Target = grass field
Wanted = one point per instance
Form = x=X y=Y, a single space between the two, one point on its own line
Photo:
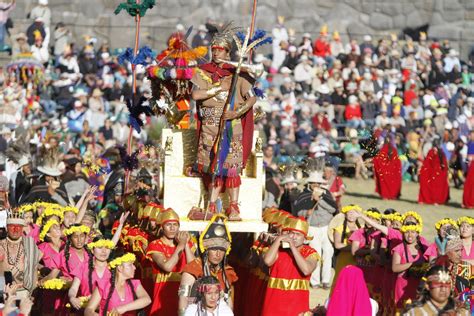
x=362 y=192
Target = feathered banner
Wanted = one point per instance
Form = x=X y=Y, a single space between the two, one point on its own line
x=136 y=108
x=258 y=39
x=129 y=162
x=140 y=59
x=133 y=8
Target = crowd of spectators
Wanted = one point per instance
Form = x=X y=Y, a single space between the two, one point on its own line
x=324 y=96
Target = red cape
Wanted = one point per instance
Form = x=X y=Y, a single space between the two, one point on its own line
x=434 y=185
x=388 y=173
x=468 y=195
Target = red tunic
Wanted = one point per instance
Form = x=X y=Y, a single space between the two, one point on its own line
x=287 y=291
x=166 y=283
x=468 y=195
x=434 y=186
x=388 y=173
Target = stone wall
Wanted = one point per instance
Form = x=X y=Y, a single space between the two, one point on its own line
x=451 y=19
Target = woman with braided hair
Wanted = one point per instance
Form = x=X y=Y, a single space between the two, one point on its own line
x=209 y=299
x=122 y=295
x=75 y=256
x=434 y=184
x=96 y=273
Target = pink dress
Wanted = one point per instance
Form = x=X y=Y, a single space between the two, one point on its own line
x=50 y=255
x=97 y=281
x=34 y=232
x=405 y=285
x=49 y=297
x=75 y=263
x=115 y=300
x=432 y=251
x=470 y=256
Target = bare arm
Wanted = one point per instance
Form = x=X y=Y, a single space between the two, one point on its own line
x=118 y=232
x=187 y=281
x=88 y=196
x=376 y=225
x=338 y=244
x=142 y=301
x=398 y=267
x=72 y=293
x=307 y=266
x=271 y=256
x=93 y=304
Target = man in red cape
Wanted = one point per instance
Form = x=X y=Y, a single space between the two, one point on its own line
x=388 y=172
x=468 y=195
x=212 y=83
x=434 y=185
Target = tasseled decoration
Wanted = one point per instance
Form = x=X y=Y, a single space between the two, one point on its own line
x=258 y=38
x=259 y=93
x=141 y=59
x=133 y=8
x=136 y=108
x=129 y=162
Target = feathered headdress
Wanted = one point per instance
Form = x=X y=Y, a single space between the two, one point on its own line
x=288 y=172
x=224 y=37
x=49 y=161
x=18 y=152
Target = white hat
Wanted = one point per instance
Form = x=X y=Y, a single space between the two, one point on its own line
x=39 y=19
x=5 y=130
x=453 y=53
x=64 y=120
x=307 y=35
x=323 y=89
x=179 y=27
x=449 y=146
x=275 y=107
x=367 y=76
x=352 y=99
x=353 y=133
x=367 y=38
x=316 y=177
x=448 y=126
x=292 y=49
x=23 y=161
x=43 y=2
x=456 y=123
x=202 y=28
x=443 y=102
x=428 y=114
x=289 y=179
x=287 y=80
x=286 y=123
x=285 y=70
x=311 y=97
x=303 y=57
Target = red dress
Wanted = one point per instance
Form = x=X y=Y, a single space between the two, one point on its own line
x=288 y=289
x=165 y=299
x=388 y=173
x=434 y=186
x=468 y=195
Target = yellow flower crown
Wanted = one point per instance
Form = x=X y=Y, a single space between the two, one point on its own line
x=56 y=284
x=413 y=228
x=354 y=207
x=77 y=229
x=129 y=257
x=46 y=227
x=393 y=217
x=69 y=208
x=445 y=221
x=26 y=208
x=51 y=210
x=413 y=214
x=374 y=215
x=101 y=243
x=466 y=219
